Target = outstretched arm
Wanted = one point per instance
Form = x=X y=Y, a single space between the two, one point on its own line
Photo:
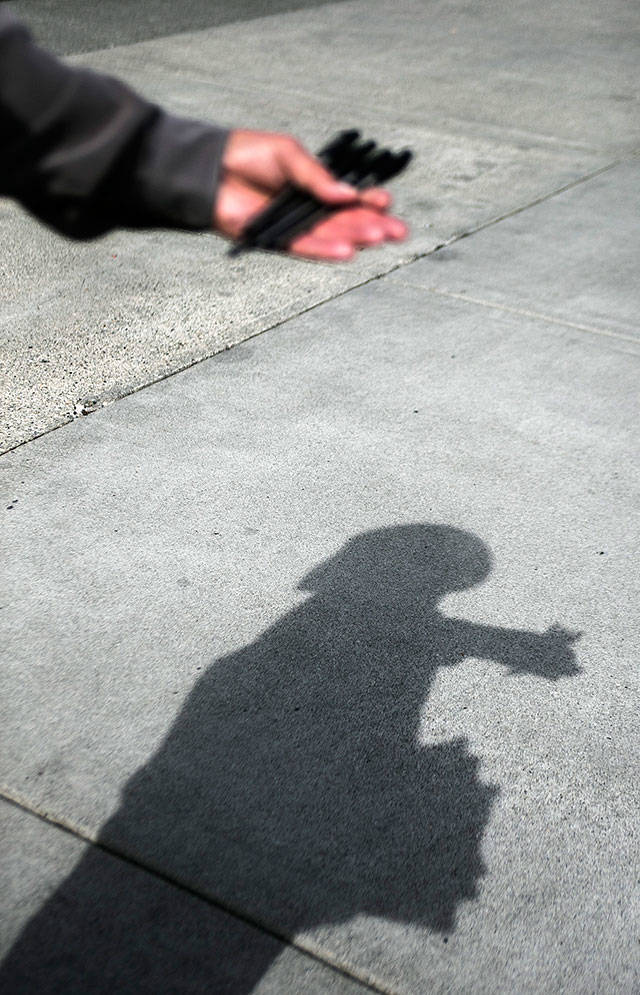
x=85 y=154
x=548 y=654
x=256 y=165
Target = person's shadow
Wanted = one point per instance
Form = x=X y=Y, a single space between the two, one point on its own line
x=293 y=785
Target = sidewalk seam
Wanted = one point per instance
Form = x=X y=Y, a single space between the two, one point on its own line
x=308 y=949
x=537 y=200
x=356 y=286
x=522 y=312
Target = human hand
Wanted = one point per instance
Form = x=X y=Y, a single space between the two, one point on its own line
x=549 y=654
x=256 y=165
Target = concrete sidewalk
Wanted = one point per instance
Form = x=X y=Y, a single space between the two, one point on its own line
x=319 y=669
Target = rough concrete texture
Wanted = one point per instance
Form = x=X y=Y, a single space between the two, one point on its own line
x=240 y=595
x=63 y=25
x=335 y=631
x=528 y=263
x=104 y=319
x=542 y=71
x=146 y=935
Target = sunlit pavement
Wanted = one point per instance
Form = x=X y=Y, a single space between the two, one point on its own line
x=319 y=667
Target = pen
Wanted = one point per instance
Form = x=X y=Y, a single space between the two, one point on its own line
x=360 y=163
x=291 y=197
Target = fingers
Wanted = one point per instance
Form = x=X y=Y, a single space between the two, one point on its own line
x=559 y=632
x=307 y=172
x=267 y=161
x=270 y=160
x=329 y=249
x=362 y=227
x=338 y=237
x=377 y=198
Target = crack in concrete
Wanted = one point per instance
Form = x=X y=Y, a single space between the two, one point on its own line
x=523 y=312
x=308 y=949
x=363 y=282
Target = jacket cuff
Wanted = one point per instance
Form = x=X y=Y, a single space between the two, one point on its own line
x=177 y=172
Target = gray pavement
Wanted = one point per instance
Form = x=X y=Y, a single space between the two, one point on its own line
x=319 y=667
x=64 y=27
x=145 y=934
x=102 y=320
x=571 y=259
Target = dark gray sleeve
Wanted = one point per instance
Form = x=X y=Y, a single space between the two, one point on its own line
x=85 y=154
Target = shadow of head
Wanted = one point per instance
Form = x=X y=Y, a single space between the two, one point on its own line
x=403 y=562
x=402 y=572
x=294 y=777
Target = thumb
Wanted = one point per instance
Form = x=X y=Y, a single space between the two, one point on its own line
x=306 y=172
x=559 y=632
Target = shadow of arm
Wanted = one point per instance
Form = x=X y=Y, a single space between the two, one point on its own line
x=548 y=654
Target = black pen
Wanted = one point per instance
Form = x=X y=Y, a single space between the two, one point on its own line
x=344 y=168
x=294 y=211
x=381 y=166
x=292 y=197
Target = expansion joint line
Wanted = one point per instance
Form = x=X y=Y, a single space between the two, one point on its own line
x=539 y=200
x=522 y=312
x=457 y=238
x=362 y=283
x=308 y=949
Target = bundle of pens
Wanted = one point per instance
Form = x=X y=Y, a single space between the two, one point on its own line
x=362 y=164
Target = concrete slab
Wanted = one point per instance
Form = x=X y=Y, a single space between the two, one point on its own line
x=84 y=325
x=98 y=321
x=109 y=926
x=64 y=27
x=460 y=178
x=572 y=258
x=233 y=606
x=540 y=71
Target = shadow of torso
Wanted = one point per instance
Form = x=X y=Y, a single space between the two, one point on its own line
x=294 y=782
x=293 y=785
